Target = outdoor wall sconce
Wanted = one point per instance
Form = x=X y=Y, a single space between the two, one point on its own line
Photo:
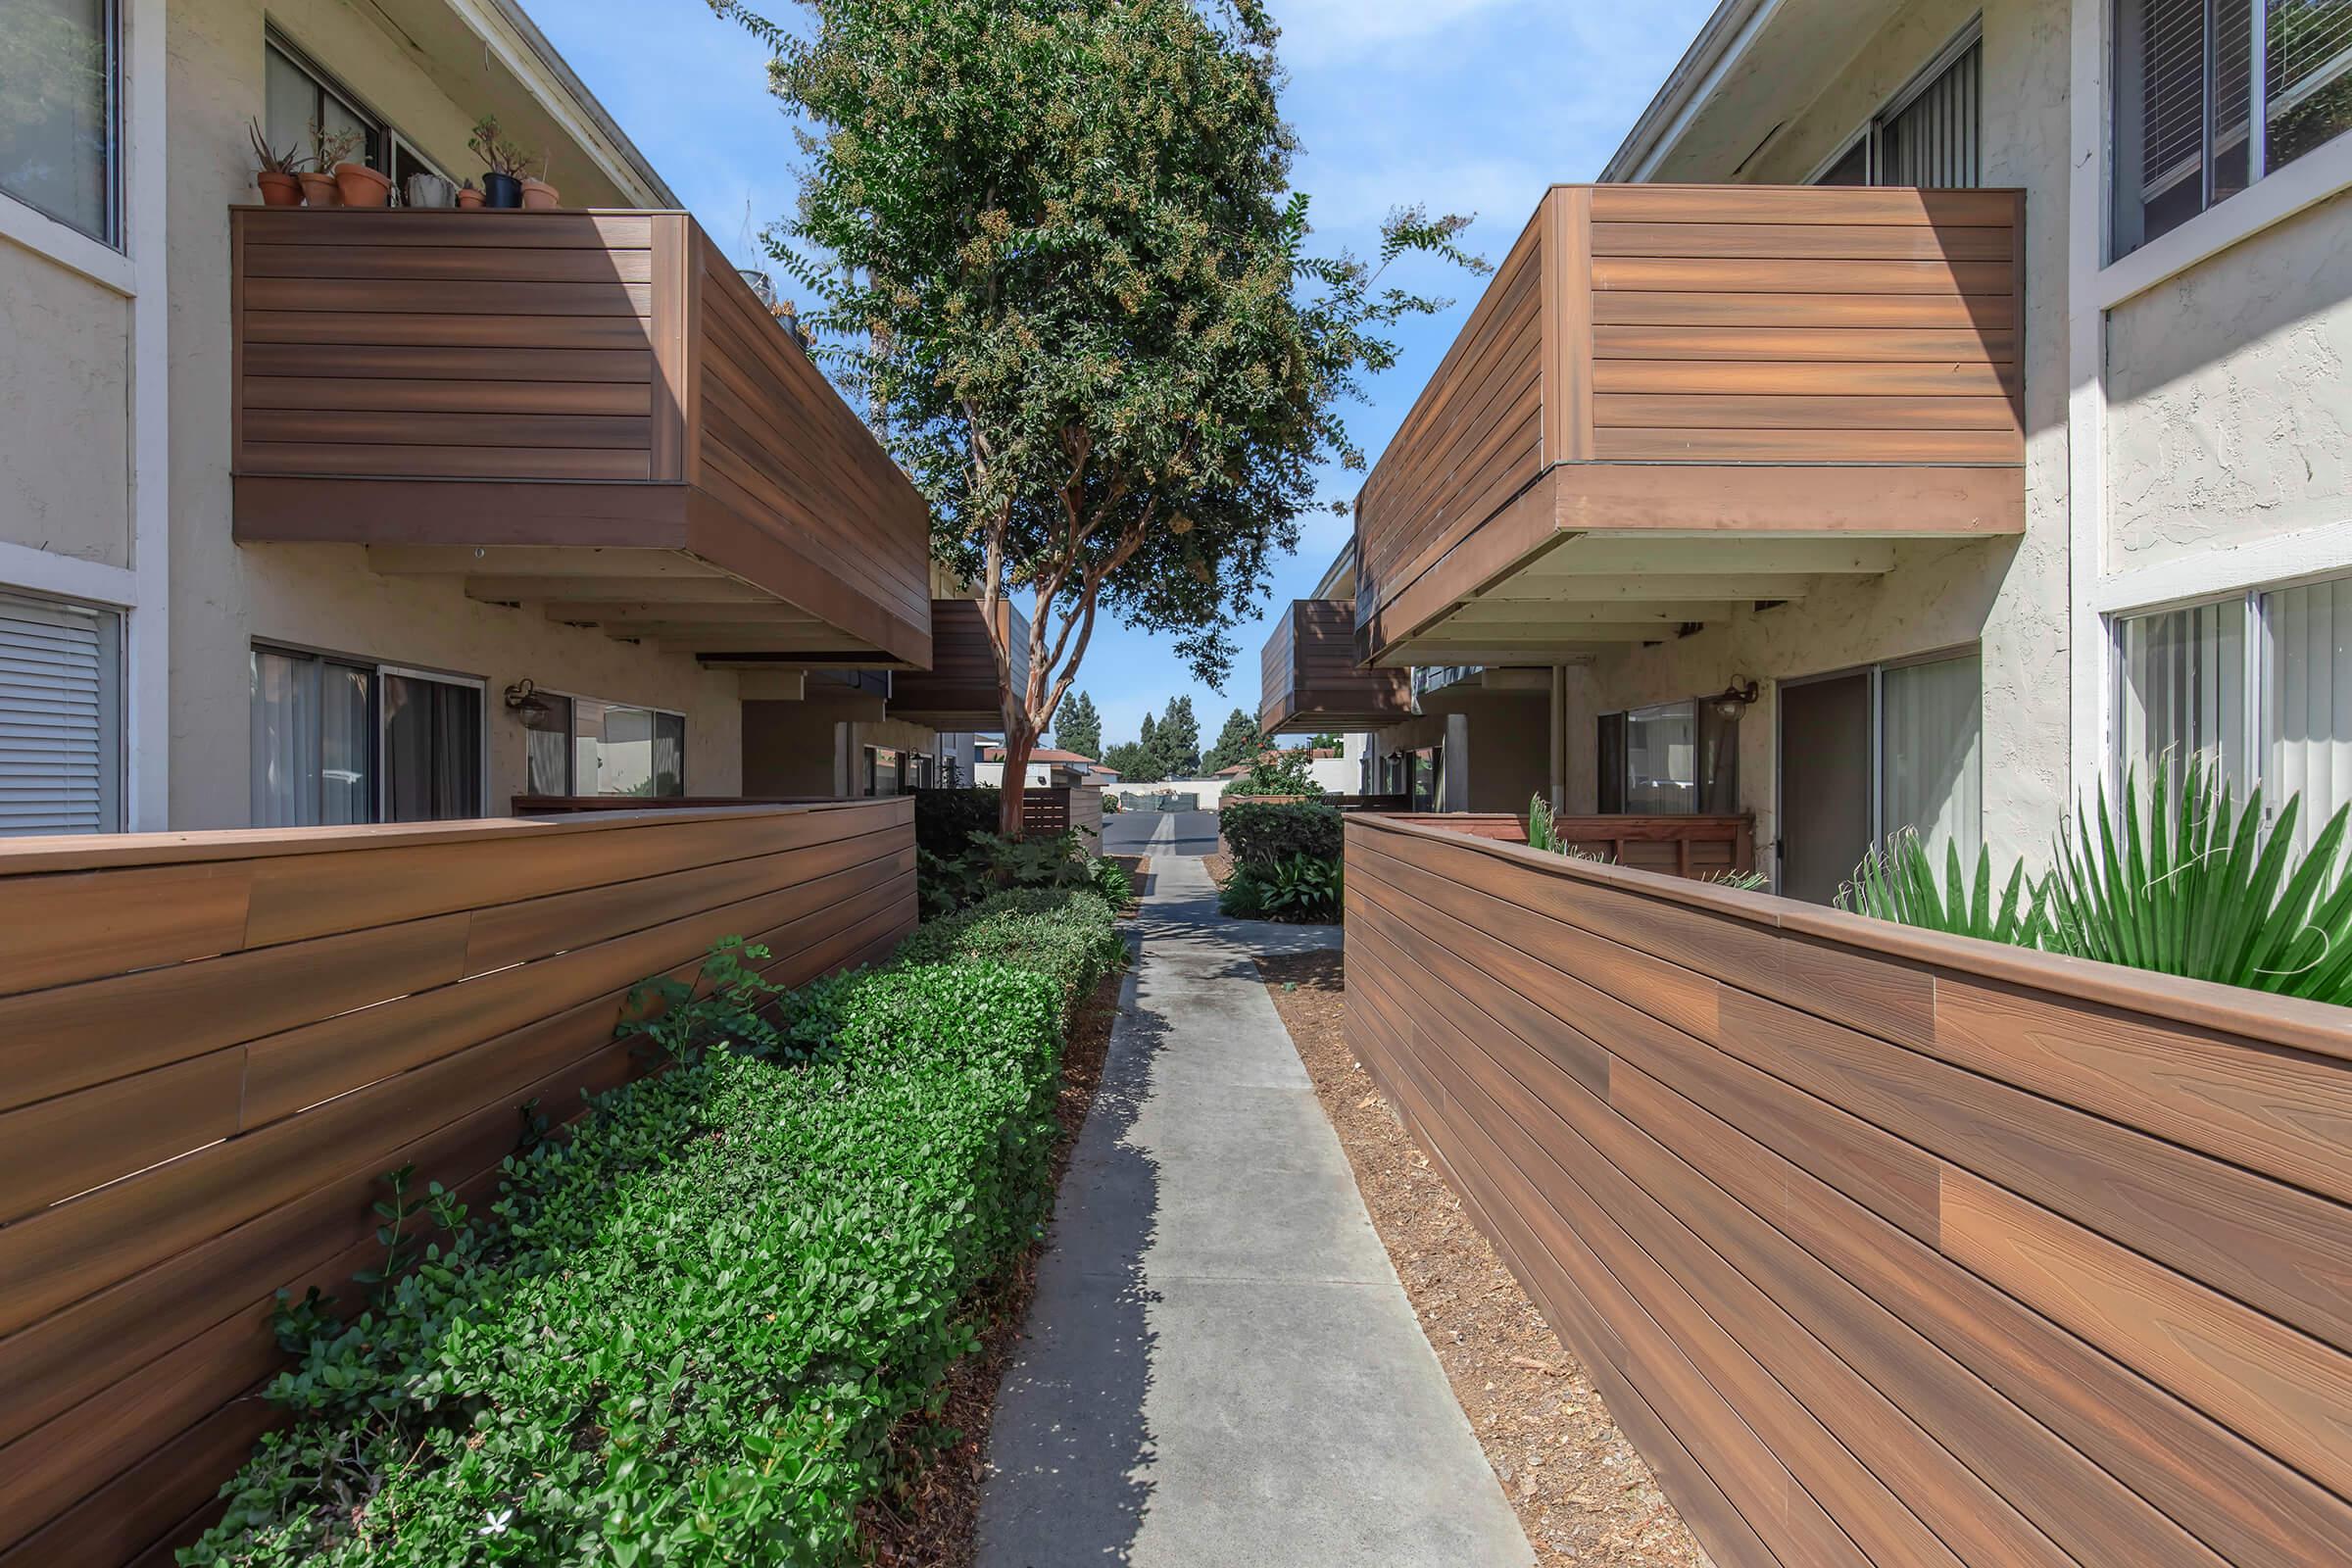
x=1732 y=701
x=527 y=704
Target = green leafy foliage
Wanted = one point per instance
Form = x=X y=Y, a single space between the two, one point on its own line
x=1897 y=881
x=945 y=820
x=1236 y=743
x=1135 y=762
x=1542 y=834
x=1305 y=887
x=1055 y=249
x=1077 y=728
x=1112 y=881
x=686 y=1333
x=2190 y=888
x=1265 y=836
x=1243 y=896
x=1177 y=740
x=669 y=1015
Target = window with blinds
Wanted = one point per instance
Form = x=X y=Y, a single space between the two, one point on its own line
x=1929 y=135
x=2259 y=684
x=61 y=716
x=2187 y=75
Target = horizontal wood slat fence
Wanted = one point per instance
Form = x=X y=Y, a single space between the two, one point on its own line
x=212 y=1045
x=1048 y=810
x=1886 y=1247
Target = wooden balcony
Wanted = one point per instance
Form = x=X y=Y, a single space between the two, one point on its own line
x=1312 y=681
x=960 y=691
x=1676 y=399
x=586 y=410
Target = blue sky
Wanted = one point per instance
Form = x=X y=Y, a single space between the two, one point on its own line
x=1466 y=105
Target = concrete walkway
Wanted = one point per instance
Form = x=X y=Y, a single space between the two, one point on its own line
x=1221 y=1369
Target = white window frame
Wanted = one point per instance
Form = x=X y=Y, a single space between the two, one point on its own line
x=2271 y=197
x=391 y=140
x=571 y=762
x=2251 y=596
x=117 y=801
x=62 y=241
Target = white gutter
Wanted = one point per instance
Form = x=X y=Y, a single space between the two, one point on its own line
x=517 y=43
x=1688 y=88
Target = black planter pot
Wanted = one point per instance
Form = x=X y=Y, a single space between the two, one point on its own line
x=500 y=190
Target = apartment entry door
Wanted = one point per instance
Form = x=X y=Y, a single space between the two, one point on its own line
x=1825 y=794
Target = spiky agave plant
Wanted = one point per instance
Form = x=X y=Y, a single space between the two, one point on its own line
x=2189 y=890
x=1897 y=881
x=1541 y=833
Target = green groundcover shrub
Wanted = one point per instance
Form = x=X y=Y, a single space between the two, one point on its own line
x=685 y=1334
x=945 y=820
x=1263 y=837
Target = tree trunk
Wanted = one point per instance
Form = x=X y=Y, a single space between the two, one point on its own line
x=1019 y=741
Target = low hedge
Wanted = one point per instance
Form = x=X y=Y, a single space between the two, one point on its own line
x=687 y=1332
x=1267 y=836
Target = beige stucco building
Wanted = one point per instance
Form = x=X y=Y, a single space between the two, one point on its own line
x=2172 y=338
x=180 y=649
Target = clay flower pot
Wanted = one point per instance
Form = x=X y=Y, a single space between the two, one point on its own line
x=361 y=186
x=539 y=196
x=278 y=190
x=468 y=197
x=320 y=189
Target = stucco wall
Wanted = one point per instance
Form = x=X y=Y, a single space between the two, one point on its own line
x=2230 y=396
x=1510 y=741
x=64 y=384
x=225 y=596
x=2009 y=596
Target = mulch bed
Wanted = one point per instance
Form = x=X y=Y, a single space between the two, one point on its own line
x=931 y=1518
x=1582 y=1493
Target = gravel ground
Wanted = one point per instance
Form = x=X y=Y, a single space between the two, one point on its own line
x=1584 y=1496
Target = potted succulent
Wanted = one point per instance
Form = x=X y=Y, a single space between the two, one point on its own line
x=467 y=196
x=328 y=150
x=276 y=178
x=502 y=185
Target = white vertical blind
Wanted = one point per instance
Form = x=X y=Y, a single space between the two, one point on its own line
x=1931 y=762
x=284 y=740
x=60 y=718
x=2181 y=691
x=2307 y=700
x=1932 y=139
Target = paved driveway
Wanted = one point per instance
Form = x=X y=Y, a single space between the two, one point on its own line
x=1160 y=832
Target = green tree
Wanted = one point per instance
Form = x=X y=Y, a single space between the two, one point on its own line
x=1236 y=743
x=1079 y=728
x=1178 y=740
x=1147 y=737
x=1055 y=247
x=1134 y=762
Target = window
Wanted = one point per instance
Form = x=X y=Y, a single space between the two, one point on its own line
x=2186 y=73
x=2259 y=683
x=60 y=112
x=1931 y=755
x=1670 y=760
x=61 y=716
x=337 y=740
x=1928 y=134
x=581 y=746
x=882 y=771
x=301 y=99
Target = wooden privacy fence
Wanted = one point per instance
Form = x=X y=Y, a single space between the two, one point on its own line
x=212 y=1045
x=1886 y=1247
x=1062 y=808
x=1676 y=846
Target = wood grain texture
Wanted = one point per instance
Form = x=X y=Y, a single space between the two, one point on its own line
x=1310 y=680
x=1665 y=342
x=600 y=350
x=288 y=1016
x=1985 y=1281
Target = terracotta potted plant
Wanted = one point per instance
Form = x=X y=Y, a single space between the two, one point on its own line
x=467 y=196
x=279 y=185
x=501 y=185
x=539 y=196
x=327 y=149
x=361 y=186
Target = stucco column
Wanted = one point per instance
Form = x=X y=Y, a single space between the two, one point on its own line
x=1455 y=785
x=1558 y=753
